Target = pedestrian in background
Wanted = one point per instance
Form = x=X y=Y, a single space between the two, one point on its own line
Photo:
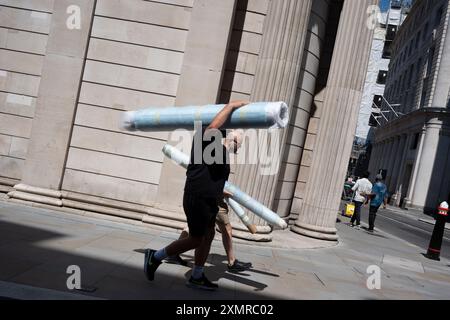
x=378 y=197
x=361 y=189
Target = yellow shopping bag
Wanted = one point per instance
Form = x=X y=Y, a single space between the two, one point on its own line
x=349 y=209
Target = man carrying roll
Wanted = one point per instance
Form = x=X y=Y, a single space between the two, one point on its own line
x=205 y=180
x=226 y=230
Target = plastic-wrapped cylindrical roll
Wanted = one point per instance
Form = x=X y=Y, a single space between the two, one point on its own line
x=238 y=195
x=241 y=214
x=183 y=160
x=254 y=206
x=261 y=115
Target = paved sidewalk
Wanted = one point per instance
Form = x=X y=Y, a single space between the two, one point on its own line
x=416 y=215
x=37 y=245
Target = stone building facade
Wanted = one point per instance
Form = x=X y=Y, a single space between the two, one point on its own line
x=373 y=97
x=69 y=68
x=388 y=24
x=413 y=146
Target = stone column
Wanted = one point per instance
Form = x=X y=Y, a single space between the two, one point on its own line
x=415 y=169
x=428 y=165
x=276 y=79
x=296 y=141
x=343 y=96
x=387 y=155
x=383 y=155
x=442 y=83
x=200 y=80
x=401 y=166
x=397 y=162
x=374 y=157
x=374 y=150
x=56 y=103
x=391 y=163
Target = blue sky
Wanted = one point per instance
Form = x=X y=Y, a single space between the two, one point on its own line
x=384 y=4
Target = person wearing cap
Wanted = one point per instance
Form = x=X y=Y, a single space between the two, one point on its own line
x=378 y=197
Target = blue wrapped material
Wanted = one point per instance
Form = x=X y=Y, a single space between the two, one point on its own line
x=238 y=195
x=261 y=115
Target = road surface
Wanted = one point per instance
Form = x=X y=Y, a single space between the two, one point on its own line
x=408 y=228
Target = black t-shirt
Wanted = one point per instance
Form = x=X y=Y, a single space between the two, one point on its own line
x=206 y=174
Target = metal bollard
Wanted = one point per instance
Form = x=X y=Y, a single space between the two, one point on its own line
x=434 y=249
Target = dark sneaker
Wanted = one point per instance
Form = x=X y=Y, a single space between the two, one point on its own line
x=370 y=230
x=202 y=283
x=150 y=264
x=239 y=266
x=176 y=260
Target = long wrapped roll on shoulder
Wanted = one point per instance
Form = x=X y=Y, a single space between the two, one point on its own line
x=260 y=115
x=238 y=195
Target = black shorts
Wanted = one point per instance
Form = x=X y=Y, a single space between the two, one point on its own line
x=200 y=212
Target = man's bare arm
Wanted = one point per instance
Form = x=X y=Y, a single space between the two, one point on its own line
x=225 y=114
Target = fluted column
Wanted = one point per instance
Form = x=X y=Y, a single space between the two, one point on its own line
x=397 y=163
x=400 y=167
x=391 y=162
x=415 y=169
x=387 y=155
x=343 y=95
x=373 y=157
x=430 y=162
x=380 y=158
x=276 y=78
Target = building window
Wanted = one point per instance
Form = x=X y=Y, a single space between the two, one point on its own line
x=411 y=44
x=387 y=50
x=423 y=94
x=425 y=31
x=418 y=69
x=430 y=61
x=418 y=39
x=411 y=69
x=382 y=76
x=396 y=4
x=438 y=18
x=404 y=80
x=415 y=142
x=391 y=32
x=378 y=100
x=374 y=120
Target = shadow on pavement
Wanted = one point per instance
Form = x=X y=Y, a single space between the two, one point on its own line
x=217 y=269
x=34 y=257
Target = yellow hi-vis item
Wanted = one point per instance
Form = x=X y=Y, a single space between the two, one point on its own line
x=349 y=209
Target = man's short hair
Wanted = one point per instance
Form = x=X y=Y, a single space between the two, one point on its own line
x=366 y=174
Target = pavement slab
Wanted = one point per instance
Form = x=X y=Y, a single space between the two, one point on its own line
x=38 y=244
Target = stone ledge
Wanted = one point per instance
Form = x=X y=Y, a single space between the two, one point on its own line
x=35 y=198
x=156 y=216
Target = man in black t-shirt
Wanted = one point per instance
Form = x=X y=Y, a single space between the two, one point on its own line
x=205 y=179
